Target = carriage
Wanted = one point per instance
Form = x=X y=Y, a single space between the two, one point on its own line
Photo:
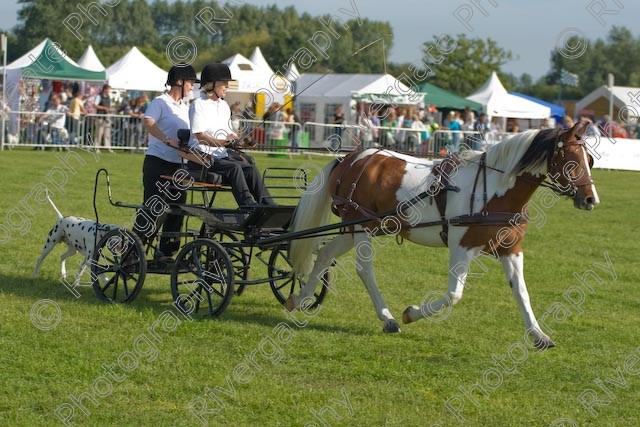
x=215 y=258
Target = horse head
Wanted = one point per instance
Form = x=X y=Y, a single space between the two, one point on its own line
x=570 y=168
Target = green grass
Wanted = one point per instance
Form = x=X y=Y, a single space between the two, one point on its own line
x=394 y=380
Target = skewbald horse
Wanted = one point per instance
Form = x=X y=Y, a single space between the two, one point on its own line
x=491 y=188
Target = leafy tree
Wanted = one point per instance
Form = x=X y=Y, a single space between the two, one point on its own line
x=40 y=19
x=466 y=67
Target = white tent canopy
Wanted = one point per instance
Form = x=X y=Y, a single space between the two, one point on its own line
x=292 y=73
x=90 y=61
x=321 y=93
x=134 y=71
x=27 y=59
x=498 y=102
x=622 y=98
x=250 y=77
x=341 y=88
x=258 y=58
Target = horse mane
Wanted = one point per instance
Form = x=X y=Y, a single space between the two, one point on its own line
x=525 y=152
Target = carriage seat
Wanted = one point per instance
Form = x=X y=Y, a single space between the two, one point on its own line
x=201 y=178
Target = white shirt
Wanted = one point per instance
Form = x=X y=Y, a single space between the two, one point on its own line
x=56 y=116
x=169 y=116
x=211 y=117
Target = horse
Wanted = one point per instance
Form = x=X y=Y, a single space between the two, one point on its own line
x=480 y=208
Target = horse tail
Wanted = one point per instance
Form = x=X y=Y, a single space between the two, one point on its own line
x=314 y=210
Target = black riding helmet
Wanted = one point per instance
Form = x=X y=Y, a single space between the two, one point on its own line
x=181 y=72
x=214 y=72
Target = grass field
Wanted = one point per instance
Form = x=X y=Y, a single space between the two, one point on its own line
x=339 y=368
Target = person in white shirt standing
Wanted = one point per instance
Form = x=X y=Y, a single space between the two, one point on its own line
x=56 y=115
x=163 y=118
x=210 y=118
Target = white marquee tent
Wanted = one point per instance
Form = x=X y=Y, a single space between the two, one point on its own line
x=319 y=94
x=498 y=102
x=292 y=73
x=90 y=61
x=250 y=78
x=258 y=58
x=598 y=100
x=333 y=89
x=134 y=71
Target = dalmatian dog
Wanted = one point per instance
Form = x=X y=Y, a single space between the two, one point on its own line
x=78 y=234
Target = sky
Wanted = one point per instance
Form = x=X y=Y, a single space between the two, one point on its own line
x=530 y=29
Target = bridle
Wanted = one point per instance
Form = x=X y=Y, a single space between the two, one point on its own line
x=559 y=154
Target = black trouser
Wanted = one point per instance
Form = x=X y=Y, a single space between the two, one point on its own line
x=157 y=196
x=239 y=171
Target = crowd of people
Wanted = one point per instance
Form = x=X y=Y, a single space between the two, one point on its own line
x=60 y=118
x=412 y=128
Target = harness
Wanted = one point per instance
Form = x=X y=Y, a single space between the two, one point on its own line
x=343 y=204
x=441 y=177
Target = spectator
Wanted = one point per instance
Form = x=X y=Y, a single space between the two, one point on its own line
x=294 y=121
x=455 y=126
x=514 y=127
x=390 y=124
x=417 y=138
x=366 y=129
x=482 y=127
x=591 y=128
x=236 y=115
x=104 y=107
x=55 y=116
x=137 y=113
x=76 y=108
x=567 y=122
x=375 y=125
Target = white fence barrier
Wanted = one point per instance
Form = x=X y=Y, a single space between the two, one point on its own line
x=40 y=130
x=47 y=130
x=614 y=153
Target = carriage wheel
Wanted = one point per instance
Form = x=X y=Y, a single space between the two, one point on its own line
x=238 y=255
x=202 y=278
x=118 y=266
x=284 y=281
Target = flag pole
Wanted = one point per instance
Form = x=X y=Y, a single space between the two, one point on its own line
x=3 y=43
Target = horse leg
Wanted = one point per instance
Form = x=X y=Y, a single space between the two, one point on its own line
x=513 y=265
x=326 y=255
x=364 y=264
x=459 y=264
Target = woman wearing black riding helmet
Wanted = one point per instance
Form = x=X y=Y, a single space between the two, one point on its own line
x=211 y=129
x=165 y=115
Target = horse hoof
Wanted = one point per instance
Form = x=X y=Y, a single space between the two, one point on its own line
x=543 y=343
x=290 y=304
x=391 y=327
x=406 y=317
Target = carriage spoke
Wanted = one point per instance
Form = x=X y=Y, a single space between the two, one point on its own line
x=283 y=285
x=115 y=287
x=198 y=290
x=214 y=290
x=109 y=283
x=101 y=269
x=210 y=304
x=124 y=285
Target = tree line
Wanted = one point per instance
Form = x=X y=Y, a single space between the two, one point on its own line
x=235 y=27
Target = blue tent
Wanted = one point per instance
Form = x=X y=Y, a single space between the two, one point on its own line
x=556 y=111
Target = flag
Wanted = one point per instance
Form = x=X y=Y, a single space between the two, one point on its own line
x=568 y=79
